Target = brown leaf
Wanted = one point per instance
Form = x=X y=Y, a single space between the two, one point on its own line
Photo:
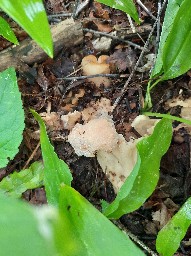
x=123 y=59
x=100 y=12
x=101 y=25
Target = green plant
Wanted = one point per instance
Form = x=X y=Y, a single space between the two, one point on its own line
x=11 y=116
x=7 y=32
x=174 y=53
x=31 y=16
x=123 y=5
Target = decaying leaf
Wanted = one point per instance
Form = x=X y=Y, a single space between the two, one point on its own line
x=123 y=59
x=185 y=110
x=144 y=125
x=149 y=63
x=102 y=44
x=52 y=120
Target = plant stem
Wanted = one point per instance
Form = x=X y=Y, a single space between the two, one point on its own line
x=168 y=116
x=148 y=102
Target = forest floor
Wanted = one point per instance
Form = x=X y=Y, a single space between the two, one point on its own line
x=55 y=87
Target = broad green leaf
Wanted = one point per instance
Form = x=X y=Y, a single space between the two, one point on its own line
x=24 y=230
x=144 y=177
x=127 y=6
x=31 y=16
x=85 y=231
x=177 y=49
x=170 y=236
x=7 y=32
x=18 y=182
x=170 y=14
x=11 y=116
x=56 y=171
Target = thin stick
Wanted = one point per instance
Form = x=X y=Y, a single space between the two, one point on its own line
x=115 y=38
x=131 y=23
x=138 y=61
x=80 y=7
x=146 y=9
x=158 y=29
x=60 y=15
x=92 y=76
x=77 y=2
x=32 y=155
x=134 y=238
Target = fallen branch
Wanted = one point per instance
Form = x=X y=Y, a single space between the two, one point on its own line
x=65 y=34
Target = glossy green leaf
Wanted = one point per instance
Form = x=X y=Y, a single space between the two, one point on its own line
x=24 y=230
x=18 y=182
x=56 y=171
x=31 y=16
x=177 y=50
x=7 y=32
x=127 y=6
x=170 y=14
x=85 y=231
x=11 y=116
x=144 y=177
x=170 y=236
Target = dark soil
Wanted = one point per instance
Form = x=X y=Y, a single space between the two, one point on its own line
x=41 y=87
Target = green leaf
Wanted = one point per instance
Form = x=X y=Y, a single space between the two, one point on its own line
x=18 y=182
x=56 y=171
x=31 y=16
x=177 y=50
x=169 y=237
x=87 y=231
x=7 y=32
x=25 y=230
x=144 y=177
x=127 y=6
x=11 y=116
x=170 y=14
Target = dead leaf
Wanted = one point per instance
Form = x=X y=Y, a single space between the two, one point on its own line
x=52 y=121
x=123 y=59
x=162 y=215
x=100 y=11
x=102 y=26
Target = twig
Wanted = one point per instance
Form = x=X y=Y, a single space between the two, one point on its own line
x=80 y=7
x=114 y=37
x=138 y=61
x=60 y=15
x=146 y=9
x=134 y=238
x=131 y=23
x=31 y=156
x=92 y=76
x=77 y=2
x=158 y=29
